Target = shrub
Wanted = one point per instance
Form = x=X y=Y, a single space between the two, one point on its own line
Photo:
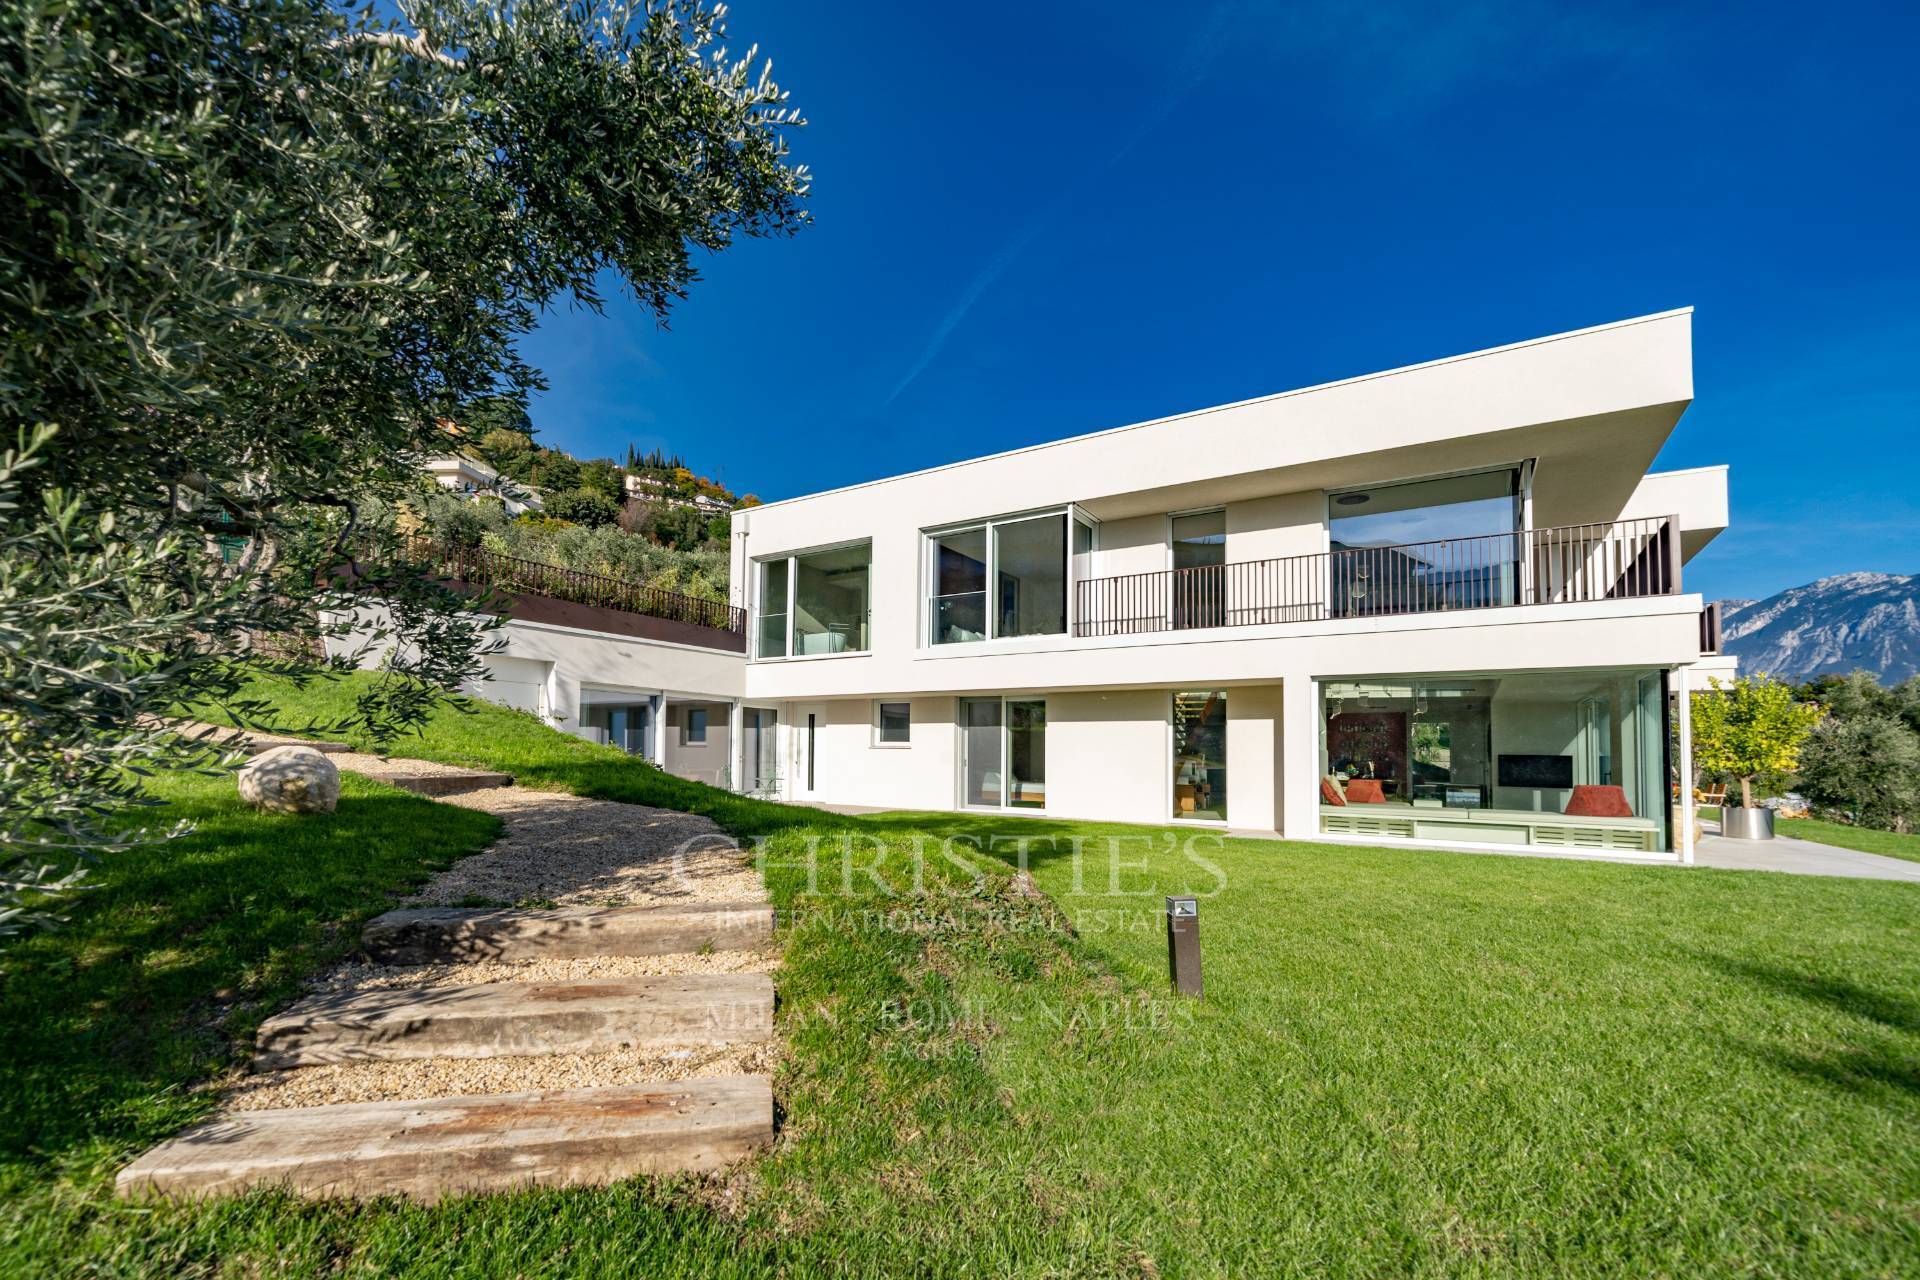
x=1867 y=767
x=583 y=507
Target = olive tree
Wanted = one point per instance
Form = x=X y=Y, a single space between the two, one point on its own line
x=257 y=255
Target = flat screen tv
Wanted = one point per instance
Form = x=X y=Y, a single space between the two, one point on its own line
x=1546 y=773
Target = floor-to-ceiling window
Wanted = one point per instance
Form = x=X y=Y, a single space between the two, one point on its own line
x=1003 y=748
x=760 y=751
x=1497 y=753
x=770 y=634
x=998 y=579
x=1200 y=755
x=1426 y=544
x=814 y=603
x=1199 y=586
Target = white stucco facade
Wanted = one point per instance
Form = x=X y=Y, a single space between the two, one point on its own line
x=1575 y=418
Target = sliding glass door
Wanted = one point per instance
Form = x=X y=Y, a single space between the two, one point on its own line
x=1003 y=753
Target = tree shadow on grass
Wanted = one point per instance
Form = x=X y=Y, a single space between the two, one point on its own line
x=1884 y=1058
x=1890 y=1009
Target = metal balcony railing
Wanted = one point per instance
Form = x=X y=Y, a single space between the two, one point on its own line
x=1624 y=559
x=481 y=568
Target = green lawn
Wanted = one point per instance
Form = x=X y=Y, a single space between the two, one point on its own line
x=1407 y=1063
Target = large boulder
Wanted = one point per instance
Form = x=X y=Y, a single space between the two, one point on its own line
x=291 y=780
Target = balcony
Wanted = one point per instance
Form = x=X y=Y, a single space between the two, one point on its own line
x=1575 y=564
x=540 y=592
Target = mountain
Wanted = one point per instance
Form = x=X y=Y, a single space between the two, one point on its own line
x=1851 y=621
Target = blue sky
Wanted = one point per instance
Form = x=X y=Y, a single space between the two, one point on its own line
x=1035 y=222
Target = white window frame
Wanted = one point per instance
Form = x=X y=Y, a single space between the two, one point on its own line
x=1006 y=754
x=880 y=743
x=687 y=735
x=930 y=574
x=793 y=594
x=1196 y=511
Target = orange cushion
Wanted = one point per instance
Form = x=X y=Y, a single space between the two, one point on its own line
x=1330 y=792
x=1593 y=801
x=1365 y=791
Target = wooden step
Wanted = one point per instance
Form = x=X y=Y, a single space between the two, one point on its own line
x=443 y=1146
x=445 y=784
x=507 y=1018
x=426 y=935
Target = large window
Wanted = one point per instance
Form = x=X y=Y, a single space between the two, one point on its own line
x=815 y=603
x=1000 y=579
x=1003 y=753
x=1200 y=755
x=1426 y=544
x=1495 y=755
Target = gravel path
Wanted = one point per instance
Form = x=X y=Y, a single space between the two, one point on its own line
x=557 y=850
x=451 y=1077
x=574 y=852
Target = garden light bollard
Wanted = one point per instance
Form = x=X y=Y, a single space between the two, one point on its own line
x=1183 y=944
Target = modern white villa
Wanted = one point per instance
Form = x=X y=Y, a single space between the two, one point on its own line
x=1438 y=605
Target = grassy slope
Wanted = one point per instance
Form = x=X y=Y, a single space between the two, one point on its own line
x=1407 y=1063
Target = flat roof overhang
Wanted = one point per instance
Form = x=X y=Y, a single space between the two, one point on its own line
x=1586 y=468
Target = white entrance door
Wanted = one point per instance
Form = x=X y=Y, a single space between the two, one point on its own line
x=809 y=732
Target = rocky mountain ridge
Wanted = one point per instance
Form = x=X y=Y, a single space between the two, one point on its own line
x=1850 y=621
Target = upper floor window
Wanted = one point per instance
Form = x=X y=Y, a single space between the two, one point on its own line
x=1479 y=504
x=1000 y=578
x=817 y=602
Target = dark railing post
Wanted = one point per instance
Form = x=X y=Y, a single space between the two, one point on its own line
x=1673 y=555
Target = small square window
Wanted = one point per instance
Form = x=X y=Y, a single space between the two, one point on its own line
x=893 y=724
x=696 y=731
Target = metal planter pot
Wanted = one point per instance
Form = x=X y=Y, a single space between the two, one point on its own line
x=1746 y=824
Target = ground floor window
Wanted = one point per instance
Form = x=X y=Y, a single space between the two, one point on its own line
x=628 y=726
x=1200 y=755
x=1003 y=750
x=1496 y=757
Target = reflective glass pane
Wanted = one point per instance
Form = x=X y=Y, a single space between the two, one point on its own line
x=830 y=600
x=1027 y=754
x=1031 y=568
x=771 y=637
x=957 y=611
x=980 y=730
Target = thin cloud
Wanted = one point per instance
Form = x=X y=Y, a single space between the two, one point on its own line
x=1194 y=65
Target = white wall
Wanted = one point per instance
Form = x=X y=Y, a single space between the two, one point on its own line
x=563 y=659
x=1109 y=755
x=851 y=768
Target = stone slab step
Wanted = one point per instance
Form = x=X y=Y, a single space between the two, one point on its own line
x=443 y=1146
x=445 y=784
x=426 y=935
x=501 y=1019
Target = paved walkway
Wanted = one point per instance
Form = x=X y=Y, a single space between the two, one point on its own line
x=1798 y=857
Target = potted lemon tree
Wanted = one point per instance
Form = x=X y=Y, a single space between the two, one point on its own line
x=1747 y=730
